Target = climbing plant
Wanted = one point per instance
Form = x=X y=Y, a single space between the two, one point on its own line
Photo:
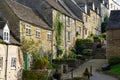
x=30 y=46
x=58 y=28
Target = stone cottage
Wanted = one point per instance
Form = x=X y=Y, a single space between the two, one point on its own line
x=113 y=34
x=11 y=56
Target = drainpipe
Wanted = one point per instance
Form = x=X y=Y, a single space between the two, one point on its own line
x=6 y=62
x=83 y=30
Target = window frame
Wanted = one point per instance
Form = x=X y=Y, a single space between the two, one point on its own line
x=49 y=35
x=38 y=33
x=1 y=63
x=28 y=29
x=13 y=64
x=68 y=21
x=68 y=36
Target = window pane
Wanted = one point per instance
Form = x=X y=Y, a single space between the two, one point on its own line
x=1 y=62
x=13 y=62
x=68 y=36
x=4 y=35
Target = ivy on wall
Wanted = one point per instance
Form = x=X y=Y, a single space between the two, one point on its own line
x=58 y=28
x=30 y=46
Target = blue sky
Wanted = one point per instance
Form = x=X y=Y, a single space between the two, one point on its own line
x=118 y=1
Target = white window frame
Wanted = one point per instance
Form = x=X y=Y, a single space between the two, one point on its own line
x=1 y=63
x=13 y=62
x=28 y=30
x=38 y=34
x=68 y=36
x=49 y=35
x=68 y=21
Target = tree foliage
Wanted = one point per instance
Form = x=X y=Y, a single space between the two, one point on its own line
x=104 y=24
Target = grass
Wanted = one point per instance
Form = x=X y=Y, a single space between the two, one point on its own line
x=115 y=69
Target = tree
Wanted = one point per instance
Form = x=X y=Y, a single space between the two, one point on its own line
x=104 y=24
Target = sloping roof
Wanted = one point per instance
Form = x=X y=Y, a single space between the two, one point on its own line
x=44 y=8
x=81 y=4
x=2 y=23
x=73 y=8
x=12 y=39
x=26 y=14
x=114 y=20
x=58 y=7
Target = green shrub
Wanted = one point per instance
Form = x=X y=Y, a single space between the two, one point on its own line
x=81 y=45
x=86 y=72
x=29 y=75
x=81 y=57
x=41 y=63
x=50 y=66
x=87 y=52
x=42 y=76
x=114 y=60
x=76 y=78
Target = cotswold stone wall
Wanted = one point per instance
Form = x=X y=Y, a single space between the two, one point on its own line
x=113 y=43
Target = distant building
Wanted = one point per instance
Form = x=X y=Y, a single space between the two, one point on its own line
x=113 y=34
x=113 y=5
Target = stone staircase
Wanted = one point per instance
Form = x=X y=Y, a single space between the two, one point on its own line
x=99 y=53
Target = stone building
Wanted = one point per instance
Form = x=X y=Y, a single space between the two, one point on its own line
x=11 y=56
x=24 y=23
x=113 y=34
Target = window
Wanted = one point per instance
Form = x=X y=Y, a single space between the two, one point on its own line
x=49 y=35
x=38 y=33
x=61 y=18
x=86 y=19
x=111 y=5
x=13 y=62
x=28 y=30
x=68 y=36
x=68 y=21
x=79 y=30
x=1 y=62
x=6 y=36
x=85 y=31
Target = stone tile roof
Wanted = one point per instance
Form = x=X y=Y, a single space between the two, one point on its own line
x=81 y=4
x=55 y=4
x=26 y=14
x=114 y=20
x=44 y=8
x=73 y=8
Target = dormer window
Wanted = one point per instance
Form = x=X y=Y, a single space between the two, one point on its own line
x=97 y=10
x=6 y=34
x=85 y=8
x=93 y=6
x=103 y=2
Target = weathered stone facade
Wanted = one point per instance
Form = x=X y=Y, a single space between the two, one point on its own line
x=113 y=43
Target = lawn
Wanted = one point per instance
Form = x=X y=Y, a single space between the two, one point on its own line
x=115 y=69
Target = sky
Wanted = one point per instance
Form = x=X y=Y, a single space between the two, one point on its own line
x=118 y=1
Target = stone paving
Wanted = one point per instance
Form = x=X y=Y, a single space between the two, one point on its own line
x=96 y=64
x=100 y=76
